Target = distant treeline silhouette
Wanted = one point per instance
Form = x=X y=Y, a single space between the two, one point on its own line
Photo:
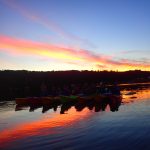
x=15 y=83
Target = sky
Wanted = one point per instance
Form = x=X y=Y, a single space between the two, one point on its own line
x=45 y=35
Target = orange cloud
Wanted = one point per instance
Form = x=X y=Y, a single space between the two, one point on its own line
x=67 y=55
x=26 y=47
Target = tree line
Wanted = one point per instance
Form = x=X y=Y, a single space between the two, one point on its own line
x=15 y=83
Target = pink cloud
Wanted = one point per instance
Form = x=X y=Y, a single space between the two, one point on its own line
x=68 y=55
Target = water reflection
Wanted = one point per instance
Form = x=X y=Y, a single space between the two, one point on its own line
x=45 y=124
x=139 y=94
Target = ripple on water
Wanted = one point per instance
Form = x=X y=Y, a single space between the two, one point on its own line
x=126 y=129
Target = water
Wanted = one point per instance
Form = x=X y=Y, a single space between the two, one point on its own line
x=127 y=128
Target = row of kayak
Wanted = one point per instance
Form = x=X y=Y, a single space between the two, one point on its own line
x=63 y=108
x=64 y=99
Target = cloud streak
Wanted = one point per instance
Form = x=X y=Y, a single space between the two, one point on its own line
x=46 y=23
x=30 y=48
x=27 y=47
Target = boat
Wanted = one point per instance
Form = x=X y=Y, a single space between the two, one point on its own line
x=22 y=101
x=96 y=102
x=65 y=99
x=47 y=100
x=34 y=101
x=68 y=99
x=85 y=99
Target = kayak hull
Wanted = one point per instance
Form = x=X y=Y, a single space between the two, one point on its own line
x=65 y=99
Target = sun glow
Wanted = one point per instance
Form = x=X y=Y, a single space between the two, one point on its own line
x=74 y=59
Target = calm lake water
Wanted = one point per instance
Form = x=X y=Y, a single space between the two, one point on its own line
x=125 y=128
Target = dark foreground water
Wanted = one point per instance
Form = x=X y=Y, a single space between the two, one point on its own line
x=125 y=129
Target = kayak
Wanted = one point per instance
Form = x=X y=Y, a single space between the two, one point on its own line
x=34 y=100
x=64 y=99
x=22 y=101
x=67 y=99
x=85 y=99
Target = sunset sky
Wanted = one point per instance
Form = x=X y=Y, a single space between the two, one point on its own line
x=50 y=35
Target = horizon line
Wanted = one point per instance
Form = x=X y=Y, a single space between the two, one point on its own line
x=73 y=70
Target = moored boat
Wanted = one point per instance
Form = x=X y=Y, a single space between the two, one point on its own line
x=68 y=99
x=22 y=101
x=47 y=100
x=33 y=101
x=65 y=99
